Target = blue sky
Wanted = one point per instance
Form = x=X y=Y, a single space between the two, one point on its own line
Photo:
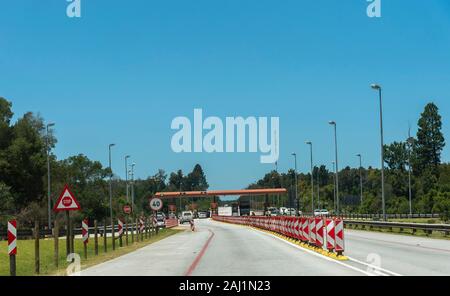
x=125 y=69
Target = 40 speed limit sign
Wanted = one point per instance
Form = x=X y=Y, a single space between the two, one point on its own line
x=156 y=204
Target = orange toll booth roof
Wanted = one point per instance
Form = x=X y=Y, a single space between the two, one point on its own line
x=220 y=192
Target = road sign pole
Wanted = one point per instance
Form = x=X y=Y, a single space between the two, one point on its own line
x=67 y=233
x=56 y=242
x=126 y=230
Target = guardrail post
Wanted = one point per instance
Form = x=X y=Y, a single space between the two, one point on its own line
x=146 y=228
x=105 y=238
x=56 y=242
x=36 y=247
x=137 y=230
x=12 y=246
x=132 y=232
x=95 y=238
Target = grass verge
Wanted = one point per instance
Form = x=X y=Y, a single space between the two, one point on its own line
x=25 y=258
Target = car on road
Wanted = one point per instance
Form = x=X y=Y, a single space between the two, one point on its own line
x=321 y=212
x=202 y=215
x=186 y=216
x=291 y=212
x=273 y=212
x=161 y=221
x=283 y=211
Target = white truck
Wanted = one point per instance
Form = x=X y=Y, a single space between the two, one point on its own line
x=225 y=211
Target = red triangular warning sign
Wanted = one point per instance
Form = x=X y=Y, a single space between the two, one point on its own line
x=66 y=201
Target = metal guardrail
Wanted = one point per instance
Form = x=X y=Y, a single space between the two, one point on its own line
x=427 y=228
x=389 y=216
x=44 y=233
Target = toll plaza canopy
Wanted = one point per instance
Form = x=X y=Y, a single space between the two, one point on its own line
x=248 y=192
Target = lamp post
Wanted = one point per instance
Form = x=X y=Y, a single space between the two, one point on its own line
x=312 y=176
x=126 y=176
x=49 y=195
x=410 y=142
x=296 y=183
x=333 y=123
x=383 y=201
x=110 y=197
x=334 y=187
x=132 y=186
x=360 y=177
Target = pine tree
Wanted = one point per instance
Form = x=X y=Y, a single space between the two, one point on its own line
x=430 y=140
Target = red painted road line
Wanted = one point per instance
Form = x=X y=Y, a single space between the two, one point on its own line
x=199 y=256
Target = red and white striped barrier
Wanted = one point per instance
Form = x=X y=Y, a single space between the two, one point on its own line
x=312 y=231
x=120 y=223
x=141 y=225
x=339 y=241
x=319 y=232
x=12 y=238
x=306 y=229
x=330 y=234
x=85 y=231
x=170 y=223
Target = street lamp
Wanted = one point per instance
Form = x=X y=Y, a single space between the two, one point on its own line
x=110 y=197
x=360 y=176
x=312 y=175
x=126 y=175
x=48 y=177
x=410 y=142
x=334 y=187
x=132 y=186
x=333 y=123
x=296 y=182
x=378 y=88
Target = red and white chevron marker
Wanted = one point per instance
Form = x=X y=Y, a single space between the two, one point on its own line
x=319 y=232
x=331 y=236
x=312 y=231
x=12 y=238
x=120 y=223
x=141 y=225
x=339 y=228
x=297 y=229
x=300 y=228
x=85 y=231
x=306 y=229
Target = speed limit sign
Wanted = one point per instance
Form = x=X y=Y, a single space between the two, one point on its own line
x=156 y=204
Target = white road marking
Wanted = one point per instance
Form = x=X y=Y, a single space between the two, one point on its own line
x=377 y=270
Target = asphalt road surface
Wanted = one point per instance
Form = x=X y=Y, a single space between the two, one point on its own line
x=218 y=249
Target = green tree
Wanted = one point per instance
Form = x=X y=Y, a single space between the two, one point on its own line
x=196 y=180
x=25 y=161
x=430 y=140
x=396 y=156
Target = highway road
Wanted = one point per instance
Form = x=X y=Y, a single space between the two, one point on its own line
x=219 y=249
